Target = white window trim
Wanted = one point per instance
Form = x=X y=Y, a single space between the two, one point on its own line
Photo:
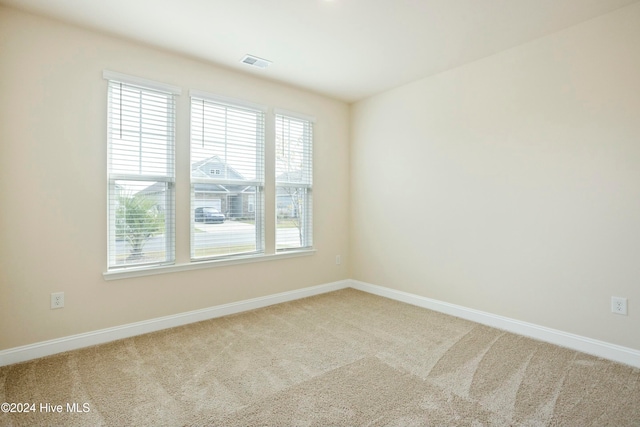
x=198 y=265
x=293 y=114
x=227 y=100
x=139 y=81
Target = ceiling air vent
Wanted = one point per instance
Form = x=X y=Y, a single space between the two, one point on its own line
x=254 y=61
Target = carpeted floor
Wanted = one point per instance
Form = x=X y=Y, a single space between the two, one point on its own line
x=343 y=358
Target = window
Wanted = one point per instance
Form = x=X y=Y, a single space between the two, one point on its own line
x=227 y=168
x=227 y=177
x=140 y=135
x=294 y=179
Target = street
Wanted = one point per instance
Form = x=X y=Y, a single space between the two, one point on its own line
x=227 y=234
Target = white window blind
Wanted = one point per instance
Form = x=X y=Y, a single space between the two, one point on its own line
x=294 y=180
x=141 y=141
x=227 y=178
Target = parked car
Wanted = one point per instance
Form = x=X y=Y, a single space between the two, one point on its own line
x=208 y=214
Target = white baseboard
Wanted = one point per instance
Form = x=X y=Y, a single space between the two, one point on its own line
x=602 y=349
x=575 y=342
x=73 y=342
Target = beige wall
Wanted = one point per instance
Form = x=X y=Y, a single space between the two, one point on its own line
x=510 y=185
x=515 y=181
x=53 y=185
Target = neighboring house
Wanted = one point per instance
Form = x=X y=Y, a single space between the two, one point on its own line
x=156 y=192
x=287 y=201
x=233 y=200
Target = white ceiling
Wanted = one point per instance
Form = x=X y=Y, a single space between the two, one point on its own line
x=347 y=49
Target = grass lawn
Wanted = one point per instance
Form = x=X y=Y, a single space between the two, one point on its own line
x=281 y=223
x=225 y=250
x=286 y=223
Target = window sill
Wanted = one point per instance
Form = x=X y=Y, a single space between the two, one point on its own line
x=198 y=265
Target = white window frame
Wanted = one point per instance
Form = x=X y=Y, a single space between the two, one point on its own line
x=168 y=178
x=115 y=272
x=305 y=182
x=258 y=182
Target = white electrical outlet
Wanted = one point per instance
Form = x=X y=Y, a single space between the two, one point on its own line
x=338 y=260
x=619 y=305
x=57 y=300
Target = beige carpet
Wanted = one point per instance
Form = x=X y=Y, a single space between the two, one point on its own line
x=344 y=358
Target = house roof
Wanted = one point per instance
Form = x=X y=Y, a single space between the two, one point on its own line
x=204 y=169
x=215 y=167
x=207 y=169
